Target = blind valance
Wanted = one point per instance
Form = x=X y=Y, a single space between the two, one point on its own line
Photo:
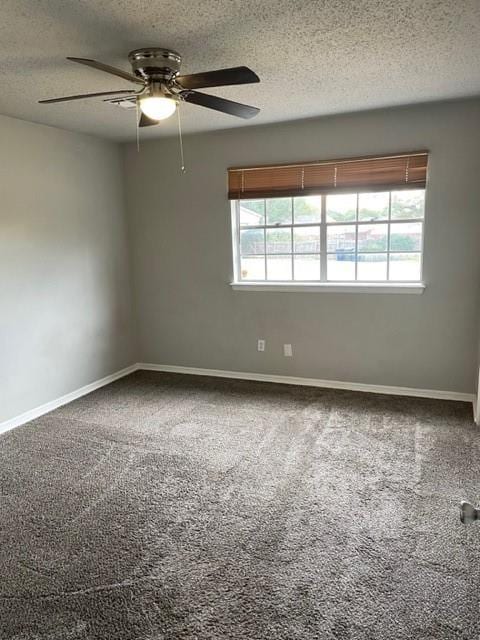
x=371 y=173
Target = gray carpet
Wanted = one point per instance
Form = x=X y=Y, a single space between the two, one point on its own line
x=168 y=507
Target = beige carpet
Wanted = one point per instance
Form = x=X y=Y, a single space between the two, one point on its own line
x=167 y=507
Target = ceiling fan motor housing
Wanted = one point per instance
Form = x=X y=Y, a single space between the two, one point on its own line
x=155 y=63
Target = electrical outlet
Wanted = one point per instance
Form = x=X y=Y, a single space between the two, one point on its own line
x=287 y=350
x=261 y=345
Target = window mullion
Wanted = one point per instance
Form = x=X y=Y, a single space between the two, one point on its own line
x=388 y=233
x=238 y=274
x=323 y=238
x=265 y=237
x=356 y=239
x=291 y=238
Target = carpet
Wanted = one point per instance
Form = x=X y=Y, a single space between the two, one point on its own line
x=172 y=507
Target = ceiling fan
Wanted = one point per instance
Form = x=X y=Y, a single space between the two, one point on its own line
x=156 y=71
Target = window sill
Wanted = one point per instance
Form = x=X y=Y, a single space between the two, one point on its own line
x=332 y=287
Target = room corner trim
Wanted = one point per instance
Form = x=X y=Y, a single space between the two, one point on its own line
x=69 y=397
x=313 y=382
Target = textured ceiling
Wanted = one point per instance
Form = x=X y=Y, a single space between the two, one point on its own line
x=313 y=57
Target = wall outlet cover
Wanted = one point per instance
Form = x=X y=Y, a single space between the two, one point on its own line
x=287 y=350
x=261 y=345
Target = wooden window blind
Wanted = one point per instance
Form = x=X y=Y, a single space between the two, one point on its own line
x=372 y=173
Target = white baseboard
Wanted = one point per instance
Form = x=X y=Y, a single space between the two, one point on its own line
x=239 y=375
x=69 y=397
x=313 y=382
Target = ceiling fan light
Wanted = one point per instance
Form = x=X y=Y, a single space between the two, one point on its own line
x=157 y=108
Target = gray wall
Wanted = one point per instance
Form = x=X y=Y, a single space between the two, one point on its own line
x=65 y=307
x=188 y=315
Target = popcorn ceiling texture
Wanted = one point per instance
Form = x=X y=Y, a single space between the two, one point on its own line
x=170 y=507
x=313 y=58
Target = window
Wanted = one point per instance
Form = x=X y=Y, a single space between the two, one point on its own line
x=366 y=237
x=350 y=220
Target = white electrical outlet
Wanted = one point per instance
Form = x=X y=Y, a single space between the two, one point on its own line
x=261 y=345
x=287 y=350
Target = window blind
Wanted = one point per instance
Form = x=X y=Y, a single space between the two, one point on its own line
x=372 y=173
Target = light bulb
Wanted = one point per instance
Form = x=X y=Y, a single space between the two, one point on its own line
x=158 y=108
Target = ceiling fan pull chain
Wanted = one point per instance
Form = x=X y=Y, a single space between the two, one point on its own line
x=182 y=160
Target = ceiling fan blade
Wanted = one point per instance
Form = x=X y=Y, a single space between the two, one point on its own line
x=220 y=78
x=87 y=95
x=108 y=69
x=145 y=121
x=220 y=104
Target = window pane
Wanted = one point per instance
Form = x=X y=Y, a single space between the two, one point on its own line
x=279 y=267
x=372 y=237
x=408 y=203
x=252 y=212
x=279 y=210
x=372 y=266
x=306 y=240
x=341 y=267
x=355 y=250
x=404 y=266
x=341 y=238
x=279 y=240
x=373 y=206
x=342 y=207
x=307 y=267
x=251 y=241
x=307 y=209
x=252 y=268
x=406 y=236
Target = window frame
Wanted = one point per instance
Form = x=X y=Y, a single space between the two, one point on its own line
x=403 y=286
